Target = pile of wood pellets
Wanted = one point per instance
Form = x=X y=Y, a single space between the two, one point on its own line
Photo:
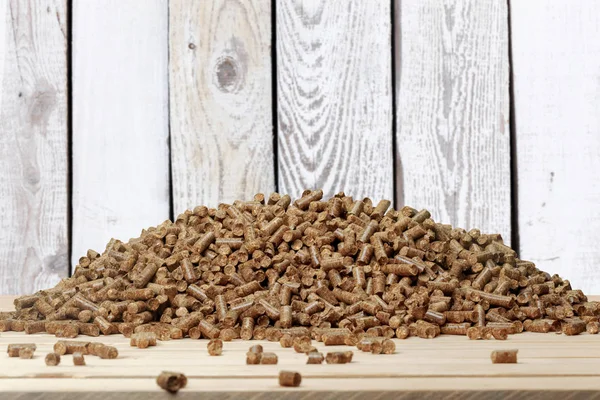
x=338 y=270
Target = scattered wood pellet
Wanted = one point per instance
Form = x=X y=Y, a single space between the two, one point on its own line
x=171 y=381
x=257 y=349
x=26 y=353
x=268 y=358
x=215 y=347
x=103 y=351
x=289 y=379
x=14 y=349
x=388 y=346
x=339 y=357
x=63 y=347
x=52 y=359
x=78 y=358
x=315 y=358
x=377 y=347
x=253 y=358
x=504 y=356
x=142 y=340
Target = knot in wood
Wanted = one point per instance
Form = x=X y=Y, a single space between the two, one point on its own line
x=228 y=76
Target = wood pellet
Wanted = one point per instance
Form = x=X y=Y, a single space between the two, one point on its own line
x=289 y=379
x=215 y=347
x=14 y=349
x=52 y=359
x=266 y=267
x=78 y=359
x=171 y=381
x=143 y=340
x=26 y=353
x=504 y=356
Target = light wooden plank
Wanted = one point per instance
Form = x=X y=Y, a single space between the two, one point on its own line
x=453 y=139
x=33 y=145
x=548 y=364
x=120 y=120
x=220 y=92
x=556 y=66
x=335 y=97
x=267 y=388
x=446 y=367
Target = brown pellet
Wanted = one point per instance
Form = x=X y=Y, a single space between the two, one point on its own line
x=253 y=358
x=504 y=356
x=302 y=344
x=330 y=339
x=592 y=327
x=52 y=359
x=402 y=332
x=256 y=349
x=338 y=357
x=63 y=347
x=286 y=341
x=171 y=381
x=143 y=340
x=388 y=347
x=289 y=379
x=215 y=347
x=268 y=358
x=78 y=359
x=376 y=347
x=103 y=351
x=208 y=330
x=315 y=358
x=26 y=353
x=573 y=327
x=14 y=349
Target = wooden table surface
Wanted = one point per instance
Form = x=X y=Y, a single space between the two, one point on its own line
x=550 y=365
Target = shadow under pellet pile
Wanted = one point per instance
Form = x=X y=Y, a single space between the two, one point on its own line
x=268 y=267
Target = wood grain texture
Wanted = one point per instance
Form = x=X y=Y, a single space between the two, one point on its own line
x=33 y=145
x=220 y=92
x=556 y=66
x=120 y=120
x=453 y=139
x=335 y=97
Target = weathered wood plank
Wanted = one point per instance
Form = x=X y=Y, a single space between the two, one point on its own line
x=453 y=139
x=120 y=120
x=33 y=145
x=220 y=93
x=335 y=97
x=556 y=66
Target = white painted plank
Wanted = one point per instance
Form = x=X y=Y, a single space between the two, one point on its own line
x=556 y=64
x=120 y=120
x=33 y=145
x=453 y=139
x=220 y=101
x=335 y=97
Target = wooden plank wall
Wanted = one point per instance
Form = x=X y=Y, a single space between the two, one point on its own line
x=34 y=244
x=335 y=97
x=179 y=103
x=453 y=138
x=221 y=105
x=120 y=120
x=556 y=67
